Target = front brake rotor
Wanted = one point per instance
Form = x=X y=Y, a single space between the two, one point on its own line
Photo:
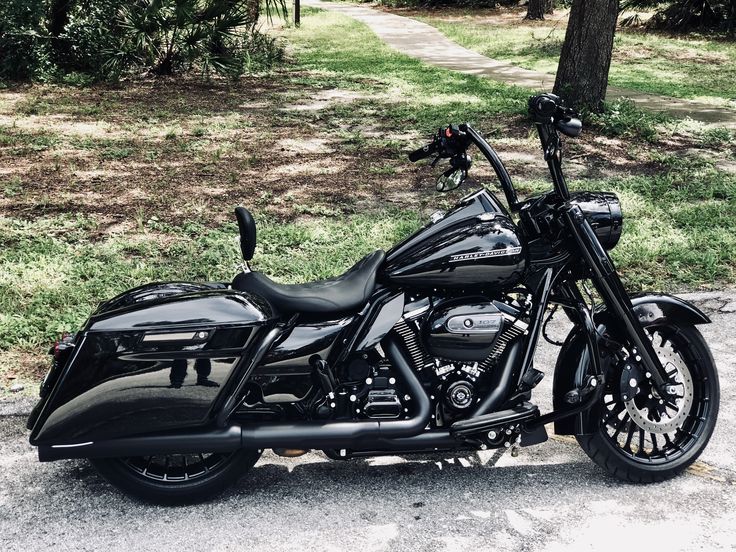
x=647 y=408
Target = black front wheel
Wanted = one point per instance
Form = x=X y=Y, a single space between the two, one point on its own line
x=177 y=478
x=644 y=437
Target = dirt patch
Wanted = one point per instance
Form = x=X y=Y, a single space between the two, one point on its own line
x=24 y=368
x=173 y=149
x=727 y=165
x=329 y=98
x=292 y=146
x=643 y=52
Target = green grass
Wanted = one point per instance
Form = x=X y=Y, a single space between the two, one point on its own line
x=679 y=226
x=622 y=117
x=683 y=67
x=52 y=273
x=57 y=262
x=341 y=52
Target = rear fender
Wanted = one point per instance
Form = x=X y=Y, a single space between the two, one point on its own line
x=574 y=361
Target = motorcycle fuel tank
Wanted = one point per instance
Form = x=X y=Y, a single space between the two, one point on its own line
x=474 y=245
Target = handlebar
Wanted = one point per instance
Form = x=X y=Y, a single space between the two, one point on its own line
x=548 y=112
x=453 y=140
x=426 y=151
x=550 y=109
x=449 y=141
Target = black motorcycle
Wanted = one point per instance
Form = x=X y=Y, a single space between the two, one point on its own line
x=173 y=390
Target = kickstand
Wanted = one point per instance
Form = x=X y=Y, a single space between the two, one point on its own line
x=496 y=456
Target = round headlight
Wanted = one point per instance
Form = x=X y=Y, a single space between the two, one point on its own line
x=603 y=211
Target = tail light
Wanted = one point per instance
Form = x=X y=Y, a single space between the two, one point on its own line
x=61 y=351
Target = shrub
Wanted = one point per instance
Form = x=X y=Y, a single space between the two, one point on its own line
x=79 y=42
x=169 y=36
x=23 y=50
x=261 y=51
x=82 y=40
x=685 y=15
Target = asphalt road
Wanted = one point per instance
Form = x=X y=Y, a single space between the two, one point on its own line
x=551 y=497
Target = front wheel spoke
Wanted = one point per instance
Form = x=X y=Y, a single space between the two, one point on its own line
x=686 y=432
x=612 y=414
x=620 y=426
x=653 y=437
x=671 y=443
x=642 y=436
x=630 y=436
x=672 y=404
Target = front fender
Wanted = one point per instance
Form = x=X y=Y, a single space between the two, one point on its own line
x=653 y=308
x=573 y=362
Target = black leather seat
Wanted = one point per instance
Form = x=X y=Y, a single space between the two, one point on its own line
x=347 y=292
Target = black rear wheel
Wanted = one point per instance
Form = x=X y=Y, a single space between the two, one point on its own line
x=176 y=478
x=643 y=437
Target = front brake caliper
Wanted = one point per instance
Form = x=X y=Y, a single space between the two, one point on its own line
x=631 y=380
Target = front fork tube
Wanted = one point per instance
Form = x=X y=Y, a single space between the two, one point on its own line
x=575 y=307
x=609 y=285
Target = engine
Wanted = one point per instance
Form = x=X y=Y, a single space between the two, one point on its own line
x=454 y=345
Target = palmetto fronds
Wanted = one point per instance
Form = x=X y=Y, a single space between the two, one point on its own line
x=168 y=36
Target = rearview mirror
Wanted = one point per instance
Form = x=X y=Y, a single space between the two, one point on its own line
x=447 y=182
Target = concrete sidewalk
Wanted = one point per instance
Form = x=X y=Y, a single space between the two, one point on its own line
x=424 y=42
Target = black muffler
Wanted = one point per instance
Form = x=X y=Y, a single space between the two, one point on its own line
x=307 y=435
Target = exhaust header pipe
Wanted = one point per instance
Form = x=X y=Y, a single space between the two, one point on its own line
x=308 y=435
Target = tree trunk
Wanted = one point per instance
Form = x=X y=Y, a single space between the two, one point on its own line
x=254 y=11
x=582 y=74
x=59 y=16
x=537 y=9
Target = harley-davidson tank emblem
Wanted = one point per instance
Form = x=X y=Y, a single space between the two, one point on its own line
x=485 y=254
